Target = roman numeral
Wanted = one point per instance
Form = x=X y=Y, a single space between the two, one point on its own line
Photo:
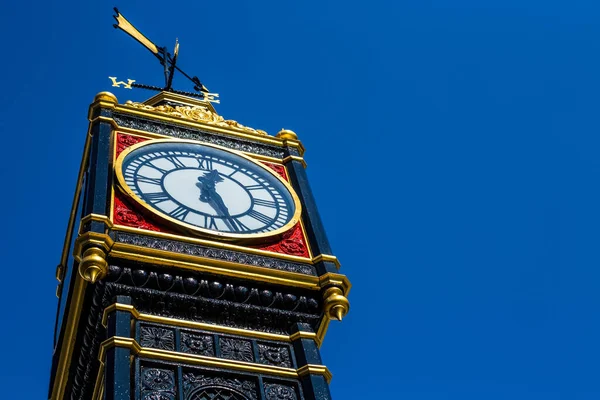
x=209 y=222
x=180 y=213
x=265 y=203
x=162 y=171
x=145 y=179
x=255 y=187
x=237 y=225
x=260 y=217
x=204 y=163
x=175 y=161
x=236 y=170
x=157 y=197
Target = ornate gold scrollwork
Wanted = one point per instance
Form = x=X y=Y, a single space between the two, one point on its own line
x=335 y=304
x=93 y=265
x=196 y=113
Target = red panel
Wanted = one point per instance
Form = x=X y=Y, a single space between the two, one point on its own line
x=292 y=243
x=125 y=213
x=124 y=141
x=280 y=169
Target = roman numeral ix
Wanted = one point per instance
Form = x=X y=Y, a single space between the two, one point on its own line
x=146 y=179
x=157 y=197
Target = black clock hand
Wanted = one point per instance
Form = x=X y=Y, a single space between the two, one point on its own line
x=216 y=201
x=208 y=194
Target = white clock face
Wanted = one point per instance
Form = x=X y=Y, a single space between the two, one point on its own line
x=207 y=188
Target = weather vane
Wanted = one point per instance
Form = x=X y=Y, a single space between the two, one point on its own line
x=168 y=61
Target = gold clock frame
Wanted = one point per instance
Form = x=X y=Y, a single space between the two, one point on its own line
x=193 y=229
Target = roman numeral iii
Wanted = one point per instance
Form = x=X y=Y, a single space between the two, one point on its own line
x=265 y=203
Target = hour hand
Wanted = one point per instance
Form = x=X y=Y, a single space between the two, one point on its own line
x=126 y=27
x=208 y=192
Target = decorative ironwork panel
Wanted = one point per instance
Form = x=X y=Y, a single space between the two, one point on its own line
x=274 y=355
x=156 y=337
x=197 y=344
x=216 y=393
x=236 y=349
x=158 y=384
x=218 y=254
x=196 y=134
x=198 y=384
x=216 y=311
x=276 y=391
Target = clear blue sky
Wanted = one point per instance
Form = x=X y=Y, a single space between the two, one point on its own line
x=452 y=146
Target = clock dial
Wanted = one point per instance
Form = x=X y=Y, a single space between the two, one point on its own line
x=207 y=188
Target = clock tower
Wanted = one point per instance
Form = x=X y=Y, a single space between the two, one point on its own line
x=195 y=263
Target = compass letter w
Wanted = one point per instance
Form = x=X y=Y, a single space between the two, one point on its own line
x=127 y=85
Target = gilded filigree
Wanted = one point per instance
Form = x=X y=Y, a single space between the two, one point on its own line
x=196 y=113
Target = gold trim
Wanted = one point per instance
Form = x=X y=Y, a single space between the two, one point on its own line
x=208 y=242
x=193 y=228
x=197 y=263
x=198 y=125
x=195 y=359
x=66 y=350
x=226 y=129
x=315 y=370
x=303 y=335
x=101 y=240
x=199 y=113
x=201 y=325
x=322 y=331
x=73 y=214
x=164 y=96
x=118 y=307
x=99 y=385
x=304 y=236
x=332 y=279
x=97 y=218
x=161 y=257
x=268 y=159
x=294 y=158
x=326 y=258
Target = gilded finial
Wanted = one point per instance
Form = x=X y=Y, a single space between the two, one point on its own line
x=336 y=305
x=287 y=134
x=106 y=96
x=93 y=265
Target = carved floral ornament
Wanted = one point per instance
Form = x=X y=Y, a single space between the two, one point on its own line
x=196 y=113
